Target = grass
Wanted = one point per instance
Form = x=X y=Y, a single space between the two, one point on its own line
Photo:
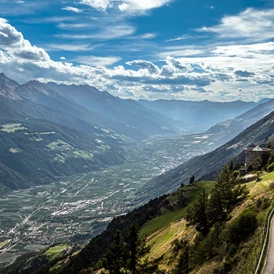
x=159 y=222
x=261 y=186
x=172 y=216
x=162 y=240
x=193 y=191
x=15 y=150
x=83 y=154
x=2 y=244
x=54 y=252
x=163 y=230
x=11 y=128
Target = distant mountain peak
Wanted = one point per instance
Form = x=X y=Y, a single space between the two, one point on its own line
x=33 y=87
x=7 y=92
x=8 y=82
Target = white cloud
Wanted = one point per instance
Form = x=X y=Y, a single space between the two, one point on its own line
x=179 y=38
x=141 y=5
x=219 y=73
x=97 y=61
x=72 y=26
x=73 y=9
x=15 y=45
x=101 y=32
x=148 y=36
x=97 y=4
x=252 y=24
x=69 y=47
x=181 y=51
x=153 y=69
x=131 y=6
x=9 y=36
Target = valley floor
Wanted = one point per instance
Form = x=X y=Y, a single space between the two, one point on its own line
x=80 y=207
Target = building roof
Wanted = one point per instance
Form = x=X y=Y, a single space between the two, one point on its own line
x=257 y=148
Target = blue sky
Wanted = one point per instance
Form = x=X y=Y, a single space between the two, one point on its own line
x=153 y=49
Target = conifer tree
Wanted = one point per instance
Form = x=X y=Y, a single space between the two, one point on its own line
x=231 y=166
x=115 y=258
x=136 y=254
x=129 y=256
x=192 y=180
x=269 y=145
x=182 y=266
x=197 y=213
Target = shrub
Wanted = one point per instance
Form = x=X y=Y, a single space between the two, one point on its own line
x=270 y=167
x=249 y=168
x=236 y=174
x=242 y=226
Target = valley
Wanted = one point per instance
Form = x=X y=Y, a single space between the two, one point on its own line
x=78 y=208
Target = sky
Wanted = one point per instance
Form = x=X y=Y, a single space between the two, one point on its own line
x=219 y=50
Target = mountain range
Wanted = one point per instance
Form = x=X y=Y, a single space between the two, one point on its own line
x=199 y=116
x=50 y=130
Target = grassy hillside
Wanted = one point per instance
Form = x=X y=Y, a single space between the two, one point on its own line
x=162 y=236
x=159 y=223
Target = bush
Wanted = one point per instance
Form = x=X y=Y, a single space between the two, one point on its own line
x=236 y=174
x=242 y=226
x=270 y=167
x=250 y=168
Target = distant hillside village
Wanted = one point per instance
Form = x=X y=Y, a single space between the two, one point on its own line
x=254 y=158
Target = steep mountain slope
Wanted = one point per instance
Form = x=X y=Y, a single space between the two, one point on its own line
x=41 y=151
x=10 y=179
x=8 y=82
x=229 y=129
x=198 y=116
x=37 y=151
x=41 y=94
x=127 y=112
x=210 y=162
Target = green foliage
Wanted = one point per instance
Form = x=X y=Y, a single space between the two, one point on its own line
x=235 y=174
x=250 y=168
x=205 y=248
x=231 y=166
x=269 y=145
x=129 y=255
x=182 y=266
x=114 y=259
x=270 y=167
x=196 y=213
x=192 y=180
x=258 y=163
x=205 y=212
x=242 y=227
x=262 y=203
x=271 y=158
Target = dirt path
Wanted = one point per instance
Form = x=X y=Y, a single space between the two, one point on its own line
x=269 y=263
